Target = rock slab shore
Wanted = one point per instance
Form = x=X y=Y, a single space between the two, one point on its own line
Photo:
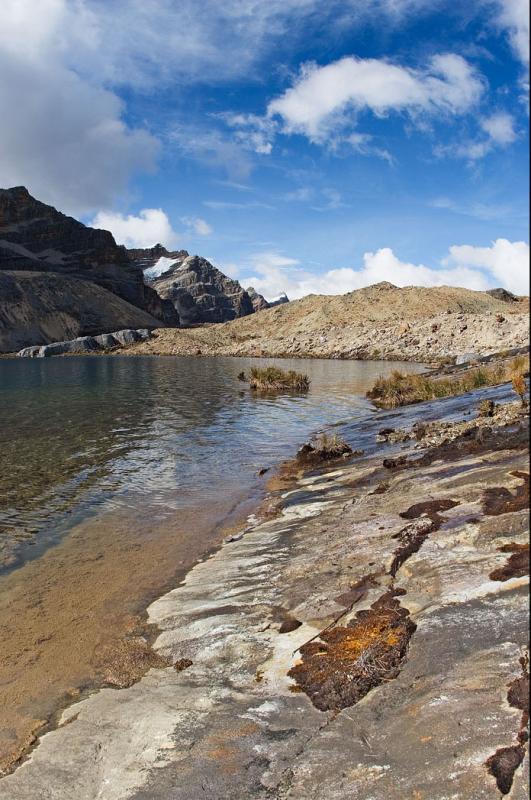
x=432 y=543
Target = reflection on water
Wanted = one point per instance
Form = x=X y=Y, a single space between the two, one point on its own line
x=158 y=434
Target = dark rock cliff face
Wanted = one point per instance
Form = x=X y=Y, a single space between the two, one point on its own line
x=502 y=294
x=147 y=257
x=36 y=238
x=37 y=308
x=260 y=303
x=258 y=300
x=201 y=293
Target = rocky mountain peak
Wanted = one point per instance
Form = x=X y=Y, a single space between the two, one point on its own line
x=201 y=292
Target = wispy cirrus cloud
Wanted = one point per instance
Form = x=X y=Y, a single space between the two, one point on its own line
x=495 y=131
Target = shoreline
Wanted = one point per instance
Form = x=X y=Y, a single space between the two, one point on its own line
x=225 y=615
x=83 y=603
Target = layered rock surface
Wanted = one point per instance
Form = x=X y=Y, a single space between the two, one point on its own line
x=398 y=579
x=36 y=242
x=146 y=257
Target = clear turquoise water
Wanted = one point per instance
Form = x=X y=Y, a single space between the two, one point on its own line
x=79 y=434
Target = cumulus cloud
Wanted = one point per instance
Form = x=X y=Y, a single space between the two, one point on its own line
x=62 y=136
x=323 y=96
x=504 y=263
x=507 y=262
x=151 y=226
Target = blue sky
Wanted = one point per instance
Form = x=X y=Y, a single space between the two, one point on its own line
x=299 y=145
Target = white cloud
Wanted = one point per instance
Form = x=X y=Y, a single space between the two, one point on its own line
x=150 y=227
x=505 y=263
x=255 y=133
x=146 y=43
x=498 y=131
x=322 y=98
x=499 y=128
x=513 y=15
x=197 y=225
x=508 y=262
x=211 y=148
x=61 y=136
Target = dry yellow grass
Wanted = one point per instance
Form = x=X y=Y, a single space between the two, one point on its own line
x=401 y=390
x=273 y=379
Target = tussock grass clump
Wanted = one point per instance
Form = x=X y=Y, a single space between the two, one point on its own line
x=486 y=408
x=332 y=446
x=273 y=379
x=519 y=386
x=400 y=390
x=325 y=448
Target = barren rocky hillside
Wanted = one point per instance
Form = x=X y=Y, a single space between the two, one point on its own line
x=380 y=321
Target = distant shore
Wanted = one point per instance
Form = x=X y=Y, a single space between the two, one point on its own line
x=439 y=339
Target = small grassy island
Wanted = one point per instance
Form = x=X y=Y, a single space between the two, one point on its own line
x=273 y=379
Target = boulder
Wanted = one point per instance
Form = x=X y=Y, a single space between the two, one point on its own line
x=29 y=352
x=127 y=336
x=106 y=340
x=83 y=344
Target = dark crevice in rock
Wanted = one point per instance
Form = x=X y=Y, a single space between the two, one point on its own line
x=500 y=500
x=516 y=566
x=411 y=539
x=429 y=508
x=358 y=591
x=503 y=764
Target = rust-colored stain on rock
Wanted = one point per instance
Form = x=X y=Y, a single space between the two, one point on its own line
x=347 y=662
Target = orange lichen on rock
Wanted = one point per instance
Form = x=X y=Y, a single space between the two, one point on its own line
x=348 y=661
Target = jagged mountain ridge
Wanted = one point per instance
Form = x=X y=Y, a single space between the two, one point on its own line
x=147 y=257
x=199 y=290
x=260 y=303
x=202 y=293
